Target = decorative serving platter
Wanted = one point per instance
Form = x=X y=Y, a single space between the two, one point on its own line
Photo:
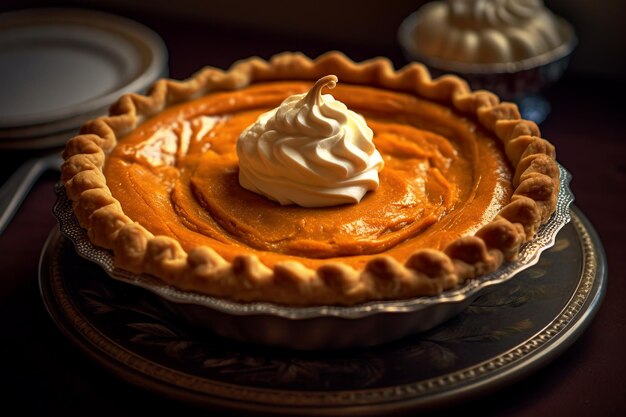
x=319 y=327
x=508 y=332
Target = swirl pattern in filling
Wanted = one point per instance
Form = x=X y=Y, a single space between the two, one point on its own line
x=178 y=174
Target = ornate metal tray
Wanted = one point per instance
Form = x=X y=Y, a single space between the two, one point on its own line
x=323 y=327
x=502 y=336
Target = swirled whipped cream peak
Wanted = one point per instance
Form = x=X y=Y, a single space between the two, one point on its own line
x=311 y=151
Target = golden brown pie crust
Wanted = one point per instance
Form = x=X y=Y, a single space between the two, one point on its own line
x=246 y=278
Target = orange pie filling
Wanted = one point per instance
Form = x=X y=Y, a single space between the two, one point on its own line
x=444 y=177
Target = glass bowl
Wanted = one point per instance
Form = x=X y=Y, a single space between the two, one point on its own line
x=519 y=81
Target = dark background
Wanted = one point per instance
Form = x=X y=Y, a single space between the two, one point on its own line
x=367 y=25
x=45 y=374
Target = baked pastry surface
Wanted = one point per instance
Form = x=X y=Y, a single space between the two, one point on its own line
x=466 y=182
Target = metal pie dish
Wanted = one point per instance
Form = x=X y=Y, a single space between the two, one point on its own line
x=318 y=327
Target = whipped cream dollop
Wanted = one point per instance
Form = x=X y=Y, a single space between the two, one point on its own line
x=311 y=151
x=487 y=31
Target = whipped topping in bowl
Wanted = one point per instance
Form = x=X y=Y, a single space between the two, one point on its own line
x=311 y=151
x=484 y=31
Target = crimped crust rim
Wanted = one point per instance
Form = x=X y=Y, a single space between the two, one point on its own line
x=425 y=272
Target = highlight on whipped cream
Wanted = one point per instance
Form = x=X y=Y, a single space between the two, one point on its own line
x=311 y=151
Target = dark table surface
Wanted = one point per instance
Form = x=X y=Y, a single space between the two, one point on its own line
x=43 y=373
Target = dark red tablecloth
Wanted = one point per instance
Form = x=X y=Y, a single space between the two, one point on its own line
x=43 y=373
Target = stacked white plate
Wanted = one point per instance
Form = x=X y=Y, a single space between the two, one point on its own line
x=62 y=67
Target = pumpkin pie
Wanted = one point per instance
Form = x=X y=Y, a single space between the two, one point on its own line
x=207 y=185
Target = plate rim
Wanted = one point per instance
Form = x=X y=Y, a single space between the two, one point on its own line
x=518 y=362
x=133 y=32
